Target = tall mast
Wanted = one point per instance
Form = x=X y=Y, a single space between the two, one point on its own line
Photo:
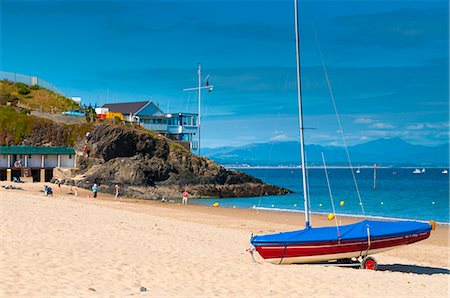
x=199 y=105
x=300 y=116
x=199 y=93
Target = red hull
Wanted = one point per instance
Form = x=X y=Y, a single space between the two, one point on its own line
x=327 y=251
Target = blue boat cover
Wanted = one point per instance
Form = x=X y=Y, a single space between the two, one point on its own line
x=356 y=231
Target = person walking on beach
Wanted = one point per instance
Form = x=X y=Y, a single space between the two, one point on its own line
x=185 y=198
x=94 y=190
x=117 y=189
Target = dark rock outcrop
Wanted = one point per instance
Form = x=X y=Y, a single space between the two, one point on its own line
x=148 y=166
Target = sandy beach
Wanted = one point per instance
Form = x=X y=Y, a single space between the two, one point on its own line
x=74 y=246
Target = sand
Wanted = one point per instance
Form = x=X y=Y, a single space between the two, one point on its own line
x=74 y=246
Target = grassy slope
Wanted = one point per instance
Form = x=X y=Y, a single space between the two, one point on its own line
x=17 y=128
x=38 y=99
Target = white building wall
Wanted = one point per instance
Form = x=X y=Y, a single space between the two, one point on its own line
x=67 y=161
x=3 y=160
x=34 y=161
x=51 y=161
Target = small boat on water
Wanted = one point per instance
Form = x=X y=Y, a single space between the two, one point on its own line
x=444 y=171
x=345 y=245
x=358 y=171
x=417 y=171
x=423 y=170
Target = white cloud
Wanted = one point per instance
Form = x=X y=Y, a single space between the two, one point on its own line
x=439 y=125
x=380 y=125
x=420 y=126
x=415 y=126
x=280 y=137
x=364 y=120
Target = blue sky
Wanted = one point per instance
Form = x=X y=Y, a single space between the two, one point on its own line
x=387 y=62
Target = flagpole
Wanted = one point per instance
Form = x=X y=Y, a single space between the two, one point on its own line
x=199 y=106
x=199 y=93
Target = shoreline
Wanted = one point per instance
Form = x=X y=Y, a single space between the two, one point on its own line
x=296 y=216
x=354 y=216
x=333 y=167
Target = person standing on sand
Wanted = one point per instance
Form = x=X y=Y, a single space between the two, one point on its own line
x=117 y=188
x=185 y=197
x=94 y=190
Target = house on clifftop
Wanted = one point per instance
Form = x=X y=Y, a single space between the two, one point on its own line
x=179 y=127
x=35 y=164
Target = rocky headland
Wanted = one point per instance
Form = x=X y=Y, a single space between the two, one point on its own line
x=148 y=166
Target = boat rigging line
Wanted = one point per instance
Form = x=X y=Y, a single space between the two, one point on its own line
x=341 y=130
x=331 y=197
x=269 y=157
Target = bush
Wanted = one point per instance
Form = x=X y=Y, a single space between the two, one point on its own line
x=19 y=85
x=117 y=120
x=7 y=97
x=24 y=90
x=35 y=87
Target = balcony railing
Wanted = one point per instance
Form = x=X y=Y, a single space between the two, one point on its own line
x=174 y=129
x=156 y=127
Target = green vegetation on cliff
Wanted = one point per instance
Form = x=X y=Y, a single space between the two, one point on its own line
x=34 y=97
x=17 y=127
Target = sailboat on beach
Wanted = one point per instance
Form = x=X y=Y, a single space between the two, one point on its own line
x=342 y=245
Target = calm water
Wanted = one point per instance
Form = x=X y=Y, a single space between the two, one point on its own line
x=401 y=195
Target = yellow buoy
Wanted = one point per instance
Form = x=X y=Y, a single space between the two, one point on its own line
x=341 y=203
x=216 y=204
x=331 y=216
x=433 y=225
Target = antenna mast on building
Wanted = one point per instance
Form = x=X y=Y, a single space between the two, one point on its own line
x=199 y=92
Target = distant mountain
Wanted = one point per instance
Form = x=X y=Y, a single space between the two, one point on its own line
x=394 y=151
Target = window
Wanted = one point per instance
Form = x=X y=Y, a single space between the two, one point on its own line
x=70 y=156
x=29 y=156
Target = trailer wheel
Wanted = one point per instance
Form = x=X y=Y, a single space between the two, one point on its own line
x=369 y=263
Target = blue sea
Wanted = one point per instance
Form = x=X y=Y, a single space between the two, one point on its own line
x=399 y=193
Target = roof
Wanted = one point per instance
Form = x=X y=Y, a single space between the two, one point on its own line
x=134 y=107
x=36 y=150
x=150 y=109
x=125 y=107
